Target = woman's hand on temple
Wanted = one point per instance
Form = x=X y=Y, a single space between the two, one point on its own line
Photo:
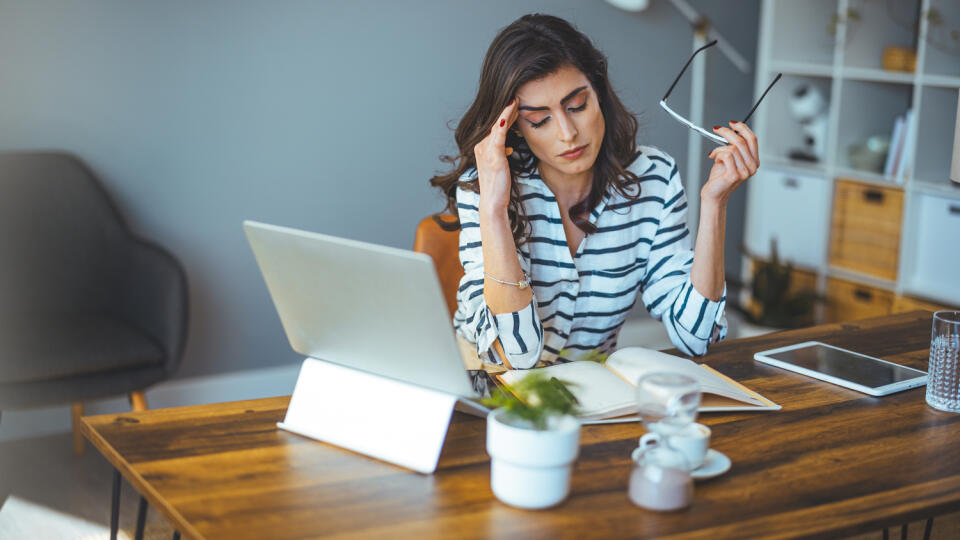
x=493 y=169
x=733 y=163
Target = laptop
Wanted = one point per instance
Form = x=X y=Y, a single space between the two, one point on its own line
x=363 y=306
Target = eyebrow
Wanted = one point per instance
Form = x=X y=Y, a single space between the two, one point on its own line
x=565 y=99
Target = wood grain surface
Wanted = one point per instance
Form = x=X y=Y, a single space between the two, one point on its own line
x=833 y=462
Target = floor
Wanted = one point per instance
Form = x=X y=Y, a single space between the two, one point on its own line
x=43 y=470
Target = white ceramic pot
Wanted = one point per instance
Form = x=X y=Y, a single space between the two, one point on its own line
x=531 y=468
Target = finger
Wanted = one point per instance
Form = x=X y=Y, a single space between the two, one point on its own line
x=515 y=113
x=742 y=171
x=724 y=155
x=501 y=126
x=737 y=141
x=726 y=160
x=750 y=137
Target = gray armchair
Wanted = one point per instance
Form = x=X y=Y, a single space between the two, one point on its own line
x=87 y=310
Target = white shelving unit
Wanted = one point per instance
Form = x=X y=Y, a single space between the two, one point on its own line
x=792 y=201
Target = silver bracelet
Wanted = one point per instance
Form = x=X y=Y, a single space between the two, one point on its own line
x=522 y=284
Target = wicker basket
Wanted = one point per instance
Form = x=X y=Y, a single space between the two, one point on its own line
x=899 y=59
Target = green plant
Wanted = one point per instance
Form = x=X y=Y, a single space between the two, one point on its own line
x=593 y=355
x=534 y=399
x=776 y=304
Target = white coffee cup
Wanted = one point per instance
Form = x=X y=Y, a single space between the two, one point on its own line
x=693 y=441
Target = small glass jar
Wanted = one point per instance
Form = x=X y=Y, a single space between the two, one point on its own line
x=660 y=479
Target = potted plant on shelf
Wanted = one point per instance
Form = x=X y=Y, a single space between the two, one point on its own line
x=774 y=304
x=533 y=440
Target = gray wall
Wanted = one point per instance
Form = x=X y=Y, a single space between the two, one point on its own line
x=318 y=115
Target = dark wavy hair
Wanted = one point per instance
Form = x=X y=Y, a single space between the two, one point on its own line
x=531 y=48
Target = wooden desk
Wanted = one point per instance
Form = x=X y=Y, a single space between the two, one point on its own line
x=833 y=462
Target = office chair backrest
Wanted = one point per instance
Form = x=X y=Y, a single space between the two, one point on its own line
x=444 y=248
x=58 y=233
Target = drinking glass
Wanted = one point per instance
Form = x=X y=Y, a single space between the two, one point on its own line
x=943 y=374
x=667 y=402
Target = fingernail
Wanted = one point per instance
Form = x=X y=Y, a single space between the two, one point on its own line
x=502 y=122
x=734 y=122
x=511 y=102
x=716 y=128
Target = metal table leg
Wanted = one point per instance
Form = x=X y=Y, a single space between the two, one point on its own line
x=141 y=518
x=115 y=506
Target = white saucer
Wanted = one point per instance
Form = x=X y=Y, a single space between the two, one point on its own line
x=715 y=464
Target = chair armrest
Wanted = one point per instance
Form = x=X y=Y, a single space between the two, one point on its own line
x=153 y=296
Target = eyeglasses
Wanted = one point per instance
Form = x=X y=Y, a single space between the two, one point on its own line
x=708 y=134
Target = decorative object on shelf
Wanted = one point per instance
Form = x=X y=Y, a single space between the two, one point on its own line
x=809 y=106
x=899 y=59
x=533 y=440
x=901 y=147
x=939 y=36
x=772 y=302
x=955 y=167
x=836 y=19
x=870 y=155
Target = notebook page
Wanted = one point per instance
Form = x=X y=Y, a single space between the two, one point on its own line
x=634 y=362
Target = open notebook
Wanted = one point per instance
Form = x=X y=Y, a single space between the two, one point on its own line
x=606 y=391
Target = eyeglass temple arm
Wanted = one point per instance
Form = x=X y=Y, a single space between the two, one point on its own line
x=675 y=81
x=761 y=97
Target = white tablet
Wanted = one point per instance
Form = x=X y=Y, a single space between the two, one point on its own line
x=845 y=368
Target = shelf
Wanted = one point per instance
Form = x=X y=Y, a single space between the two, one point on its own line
x=939 y=189
x=945 y=81
x=865 y=100
x=803 y=69
x=867 y=177
x=877 y=75
x=794 y=166
x=853 y=275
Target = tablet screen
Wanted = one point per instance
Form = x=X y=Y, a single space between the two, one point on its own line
x=846 y=365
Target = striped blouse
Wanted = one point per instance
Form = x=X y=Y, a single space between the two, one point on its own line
x=642 y=248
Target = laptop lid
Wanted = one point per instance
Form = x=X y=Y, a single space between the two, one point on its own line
x=368 y=307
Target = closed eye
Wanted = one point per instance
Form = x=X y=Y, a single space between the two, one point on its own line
x=540 y=123
x=571 y=109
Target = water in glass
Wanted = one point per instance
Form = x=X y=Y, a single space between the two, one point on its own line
x=943 y=374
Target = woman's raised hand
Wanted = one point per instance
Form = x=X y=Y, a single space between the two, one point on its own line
x=492 y=167
x=733 y=163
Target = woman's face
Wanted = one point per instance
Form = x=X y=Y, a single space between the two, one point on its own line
x=560 y=118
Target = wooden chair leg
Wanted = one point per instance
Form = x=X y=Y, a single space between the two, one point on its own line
x=76 y=411
x=138 y=400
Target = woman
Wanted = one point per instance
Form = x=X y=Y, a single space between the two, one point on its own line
x=565 y=221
